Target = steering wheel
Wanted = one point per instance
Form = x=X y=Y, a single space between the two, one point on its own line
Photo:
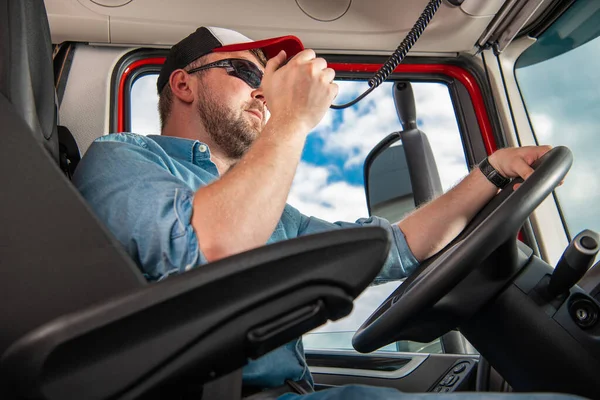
x=496 y=223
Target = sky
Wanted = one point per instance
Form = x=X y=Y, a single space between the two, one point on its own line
x=329 y=180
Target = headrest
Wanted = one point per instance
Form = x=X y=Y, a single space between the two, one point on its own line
x=26 y=70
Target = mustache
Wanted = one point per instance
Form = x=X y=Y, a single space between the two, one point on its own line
x=256 y=105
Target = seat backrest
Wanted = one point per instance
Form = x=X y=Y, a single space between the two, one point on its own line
x=55 y=256
x=25 y=79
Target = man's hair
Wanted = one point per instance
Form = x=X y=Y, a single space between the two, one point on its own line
x=165 y=99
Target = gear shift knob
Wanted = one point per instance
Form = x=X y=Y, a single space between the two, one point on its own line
x=574 y=263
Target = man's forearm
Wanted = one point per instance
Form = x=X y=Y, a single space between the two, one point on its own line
x=430 y=228
x=240 y=211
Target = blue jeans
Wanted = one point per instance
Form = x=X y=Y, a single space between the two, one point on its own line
x=358 y=392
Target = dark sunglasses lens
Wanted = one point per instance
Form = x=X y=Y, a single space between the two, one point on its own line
x=248 y=72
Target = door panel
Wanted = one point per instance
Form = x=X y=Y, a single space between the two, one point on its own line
x=407 y=372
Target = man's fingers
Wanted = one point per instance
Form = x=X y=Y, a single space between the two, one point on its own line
x=333 y=90
x=304 y=55
x=328 y=75
x=319 y=63
x=274 y=63
x=541 y=150
x=523 y=169
x=534 y=153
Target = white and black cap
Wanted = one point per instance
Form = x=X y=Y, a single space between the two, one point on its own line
x=217 y=40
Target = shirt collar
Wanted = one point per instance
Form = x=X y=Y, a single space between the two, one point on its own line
x=190 y=150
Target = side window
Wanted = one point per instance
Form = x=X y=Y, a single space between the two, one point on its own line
x=559 y=77
x=329 y=180
x=144 y=106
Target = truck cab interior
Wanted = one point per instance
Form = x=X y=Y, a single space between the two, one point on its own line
x=512 y=302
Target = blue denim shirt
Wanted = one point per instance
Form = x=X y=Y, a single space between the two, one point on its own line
x=142 y=188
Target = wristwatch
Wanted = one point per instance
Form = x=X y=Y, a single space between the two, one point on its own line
x=492 y=174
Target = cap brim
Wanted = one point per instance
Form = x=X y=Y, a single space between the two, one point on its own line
x=271 y=47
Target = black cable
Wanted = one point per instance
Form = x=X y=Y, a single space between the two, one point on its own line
x=399 y=54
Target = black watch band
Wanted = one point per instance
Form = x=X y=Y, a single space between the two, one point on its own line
x=492 y=174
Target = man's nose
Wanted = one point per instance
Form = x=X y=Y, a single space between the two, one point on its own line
x=259 y=95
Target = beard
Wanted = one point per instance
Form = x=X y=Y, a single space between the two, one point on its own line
x=230 y=129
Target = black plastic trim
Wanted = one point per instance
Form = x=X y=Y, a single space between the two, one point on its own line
x=62 y=63
x=547 y=18
x=529 y=237
x=374 y=363
x=547 y=352
x=562 y=216
x=473 y=146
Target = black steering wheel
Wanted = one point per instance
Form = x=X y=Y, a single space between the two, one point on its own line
x=494 y=225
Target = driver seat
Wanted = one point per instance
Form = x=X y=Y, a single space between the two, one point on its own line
x=78 y=320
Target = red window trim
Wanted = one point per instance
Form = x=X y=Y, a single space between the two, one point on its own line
x=121 y=95
x=452 y=71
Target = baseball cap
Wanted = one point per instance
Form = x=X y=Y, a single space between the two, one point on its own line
x=214 y=40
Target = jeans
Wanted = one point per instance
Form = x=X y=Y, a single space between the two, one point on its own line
x=359 y=392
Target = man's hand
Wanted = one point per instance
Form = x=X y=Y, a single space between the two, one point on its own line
x=516 y=162
x=430 y=228
x=299 y=93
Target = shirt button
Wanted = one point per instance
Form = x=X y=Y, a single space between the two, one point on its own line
x=202 y=148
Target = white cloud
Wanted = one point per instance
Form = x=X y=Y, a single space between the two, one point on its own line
x=313 y=195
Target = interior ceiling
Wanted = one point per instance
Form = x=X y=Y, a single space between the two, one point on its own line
x=347 y=26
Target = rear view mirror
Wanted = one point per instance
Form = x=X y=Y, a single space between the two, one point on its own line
x=400 y=172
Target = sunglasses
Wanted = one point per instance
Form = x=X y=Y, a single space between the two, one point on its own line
x=240 y=68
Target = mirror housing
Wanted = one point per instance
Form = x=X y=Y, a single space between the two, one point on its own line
x=400 y=177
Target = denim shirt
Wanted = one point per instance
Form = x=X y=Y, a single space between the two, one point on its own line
x=142 y=188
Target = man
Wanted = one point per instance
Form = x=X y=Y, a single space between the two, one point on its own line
x=198 y=192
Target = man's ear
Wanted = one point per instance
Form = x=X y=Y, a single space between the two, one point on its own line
x=181 y=86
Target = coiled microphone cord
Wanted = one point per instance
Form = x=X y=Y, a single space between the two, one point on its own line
x=399 y=54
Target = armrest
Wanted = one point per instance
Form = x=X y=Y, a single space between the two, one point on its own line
x=208 y=321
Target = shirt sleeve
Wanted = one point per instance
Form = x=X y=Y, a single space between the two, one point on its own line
x=143 y=204
x=400 y=262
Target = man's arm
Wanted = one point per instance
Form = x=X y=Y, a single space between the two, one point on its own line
x=430 y=228
x=240 y=211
